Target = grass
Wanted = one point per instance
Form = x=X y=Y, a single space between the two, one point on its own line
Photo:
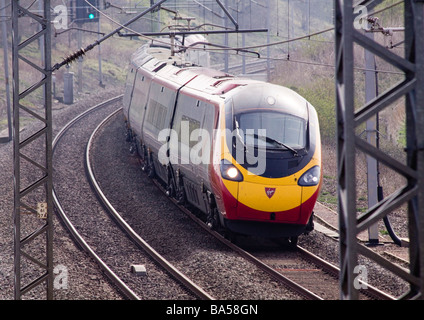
x=321 y=95
x=327 y=198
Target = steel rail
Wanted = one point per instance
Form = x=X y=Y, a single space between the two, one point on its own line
x=190 y=285
x=125 y=290
x=371 y=291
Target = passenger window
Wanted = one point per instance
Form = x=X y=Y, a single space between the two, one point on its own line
x=187 y=127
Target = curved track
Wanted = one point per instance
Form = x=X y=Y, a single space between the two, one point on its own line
x=77 y=237
x=83 y=243
x=199 y=292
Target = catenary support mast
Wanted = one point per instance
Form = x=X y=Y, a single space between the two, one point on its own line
x=411 y=88
x=33 y=204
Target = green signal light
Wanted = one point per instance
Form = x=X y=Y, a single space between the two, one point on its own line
x=91 y=16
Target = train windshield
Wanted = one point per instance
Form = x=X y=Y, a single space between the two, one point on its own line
x=274 y=130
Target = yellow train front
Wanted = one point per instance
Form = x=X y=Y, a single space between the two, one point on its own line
x=269 y=174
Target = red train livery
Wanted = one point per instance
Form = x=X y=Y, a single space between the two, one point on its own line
x=244 y=152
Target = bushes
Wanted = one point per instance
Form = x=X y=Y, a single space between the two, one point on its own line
x=321 y=95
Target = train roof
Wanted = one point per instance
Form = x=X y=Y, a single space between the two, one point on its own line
x=176 y=72
x=154 y=59
x=271 y=97
x=153 y=56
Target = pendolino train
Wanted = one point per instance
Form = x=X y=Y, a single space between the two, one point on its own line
x=244 y=152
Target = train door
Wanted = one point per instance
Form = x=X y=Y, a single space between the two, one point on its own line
x=138 y=102
x=158 y=117
x=129 y=87
x=201 y=152
x=184 y=154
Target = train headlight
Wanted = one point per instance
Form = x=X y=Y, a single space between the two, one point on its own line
x=230 y=172
x=310 y=177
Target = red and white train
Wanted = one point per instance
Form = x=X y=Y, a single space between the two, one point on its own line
x=244 y=152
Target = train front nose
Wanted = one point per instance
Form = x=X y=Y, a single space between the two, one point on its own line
x=269 y=202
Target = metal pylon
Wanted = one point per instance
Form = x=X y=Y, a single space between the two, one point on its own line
x=349 y=143
x=32 y=156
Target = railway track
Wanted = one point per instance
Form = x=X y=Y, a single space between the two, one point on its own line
x=166 y=265
x=83 y=240
x=251 y=68
x=292 y=285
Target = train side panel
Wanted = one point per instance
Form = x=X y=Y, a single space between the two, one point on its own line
x=128 y=91
x=143 y=80
x=160 y=108
x=139 y=58
x=190 y=150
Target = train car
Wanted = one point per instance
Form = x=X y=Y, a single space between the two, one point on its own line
x=244 y=152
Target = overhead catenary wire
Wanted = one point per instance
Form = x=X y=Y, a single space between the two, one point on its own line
x=326 y=65
x=236 y=48
x=82 y=51
x=275 y=43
